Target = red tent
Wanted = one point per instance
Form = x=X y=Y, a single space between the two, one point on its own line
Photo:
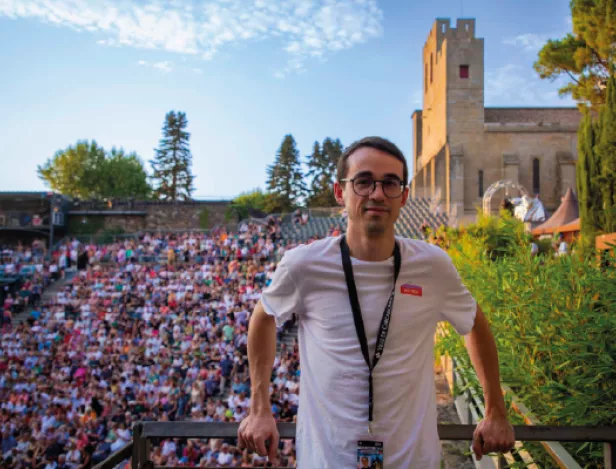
x=565 y=219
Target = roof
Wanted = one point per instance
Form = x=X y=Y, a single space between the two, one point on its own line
x=20 y=196
x=565 y=215
x=518 y=115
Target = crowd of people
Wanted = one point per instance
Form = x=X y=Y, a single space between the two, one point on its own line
x=24 y=275
x=152 y=328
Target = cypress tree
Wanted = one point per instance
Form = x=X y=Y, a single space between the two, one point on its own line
x=606 y=151
x=582 y=178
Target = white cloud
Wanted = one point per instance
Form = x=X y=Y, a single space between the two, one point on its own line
x=164 y=66
x=518 y=86
x=198 y=71
x=305 y=28
x=529 y=42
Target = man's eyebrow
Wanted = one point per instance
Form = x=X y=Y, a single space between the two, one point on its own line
x=369 y=173
x=363 y=173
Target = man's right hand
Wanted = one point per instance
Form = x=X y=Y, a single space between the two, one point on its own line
x=255 y=431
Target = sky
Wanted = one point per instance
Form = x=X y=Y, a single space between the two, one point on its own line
x=245 y=72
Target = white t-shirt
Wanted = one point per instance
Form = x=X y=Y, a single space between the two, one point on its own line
x=333 y=409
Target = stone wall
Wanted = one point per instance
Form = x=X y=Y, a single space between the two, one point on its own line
x=563 y=116
x=183 y=216
x=555 y=151
x=128 y=223
x=157 y=216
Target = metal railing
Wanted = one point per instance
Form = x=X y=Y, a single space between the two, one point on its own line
x=24 y=219
x=146 y=433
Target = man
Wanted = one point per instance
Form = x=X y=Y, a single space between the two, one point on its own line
x=341 y=291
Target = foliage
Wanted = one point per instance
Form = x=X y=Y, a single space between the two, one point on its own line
x=553 y=321
x=87 y=171
x=587 y=170
x=124 y=176
x=284 y=177
x=596 y=170
x=496 y=236
x=584 y=56
x=606 y=149
x=204 y=218
x=173 y=160
x=322 y=169
x=247 y=204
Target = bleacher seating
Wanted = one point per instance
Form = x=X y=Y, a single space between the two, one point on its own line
x=315 y=227
x=411 y=218
x=414 y=214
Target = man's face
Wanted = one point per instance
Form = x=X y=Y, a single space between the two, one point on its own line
x=364 y=462
x=374 y=213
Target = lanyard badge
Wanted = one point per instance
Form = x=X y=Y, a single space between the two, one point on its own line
x=359 y=323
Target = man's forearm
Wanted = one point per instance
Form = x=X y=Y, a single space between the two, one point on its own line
x=261 y=354
x=484 y=356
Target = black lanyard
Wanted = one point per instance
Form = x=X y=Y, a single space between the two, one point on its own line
x=359 y=323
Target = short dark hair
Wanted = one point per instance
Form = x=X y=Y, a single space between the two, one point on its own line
x=378 y=143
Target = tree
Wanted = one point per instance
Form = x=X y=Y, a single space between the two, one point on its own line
x=606 y=149
x=73 y=171
x=589 y=197
x=284 y=178
x=248 y=204
x=172 y=162
x=125 y=176
x=87 y=171
x=584 y=56
x=322 y=169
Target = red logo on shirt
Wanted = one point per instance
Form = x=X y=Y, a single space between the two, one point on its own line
x=408 y=289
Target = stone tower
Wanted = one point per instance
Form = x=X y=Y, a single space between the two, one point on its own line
x=461 y=147
x=452 y=118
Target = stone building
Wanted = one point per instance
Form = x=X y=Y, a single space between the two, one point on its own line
x=461 y=147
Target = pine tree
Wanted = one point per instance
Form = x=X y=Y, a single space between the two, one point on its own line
x=606 y=150
x=173 y=160
x=322 y=163
x=284 y=178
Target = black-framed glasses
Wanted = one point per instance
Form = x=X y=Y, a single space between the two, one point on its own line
x=363 y=186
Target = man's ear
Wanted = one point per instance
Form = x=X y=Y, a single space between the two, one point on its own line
x=338 y=191
x=405 y=196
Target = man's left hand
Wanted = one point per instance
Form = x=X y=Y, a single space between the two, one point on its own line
x=493 y=434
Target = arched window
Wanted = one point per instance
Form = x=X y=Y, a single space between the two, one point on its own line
x=536 y=177
x=426 y=77
x=480 y=183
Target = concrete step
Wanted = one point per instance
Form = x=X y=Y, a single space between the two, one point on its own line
x=47 y=296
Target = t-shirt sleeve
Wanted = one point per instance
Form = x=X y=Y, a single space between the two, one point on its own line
x=459 y=308
x=283 y=297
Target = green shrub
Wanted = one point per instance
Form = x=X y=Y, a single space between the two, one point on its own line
x=553 y=320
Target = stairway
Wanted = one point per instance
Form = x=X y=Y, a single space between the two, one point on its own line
x=288 y=338
x=47 y=296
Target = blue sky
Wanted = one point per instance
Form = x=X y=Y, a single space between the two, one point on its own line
x=246 y=72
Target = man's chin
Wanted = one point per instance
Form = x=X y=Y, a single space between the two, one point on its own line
x=374 y=228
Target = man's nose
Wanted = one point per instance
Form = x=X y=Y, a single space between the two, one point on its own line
x=378 y=193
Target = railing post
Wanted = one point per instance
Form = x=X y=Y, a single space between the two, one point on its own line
x=609 y=454
x=137 y=430
x=143 y=451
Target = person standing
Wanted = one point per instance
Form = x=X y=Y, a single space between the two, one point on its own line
x=368 y=303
